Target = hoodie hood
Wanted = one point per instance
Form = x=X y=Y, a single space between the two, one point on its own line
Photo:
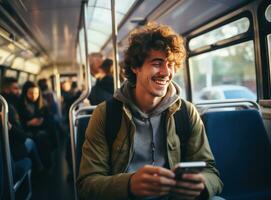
x=124 y=94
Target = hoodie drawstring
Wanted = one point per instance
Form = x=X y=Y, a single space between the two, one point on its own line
x=152 y=143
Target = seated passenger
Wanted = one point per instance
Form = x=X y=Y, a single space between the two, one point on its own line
x=21 y=146
x=75 y=91
x=51 y=99
x=36 y=120
x=53 y=106
x=138 y=164
x=104 y=87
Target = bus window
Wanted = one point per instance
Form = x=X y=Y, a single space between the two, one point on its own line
x=22 y=78
x=229 y=30
x=32 y=77
x=3 y=55
x=268 y=18
x=269 y=51
x=179 y=79
x=10 y=73
x=228 y=70
x=18 y=63
x=268 y=13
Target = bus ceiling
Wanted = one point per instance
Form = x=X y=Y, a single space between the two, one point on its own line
x=52 y=26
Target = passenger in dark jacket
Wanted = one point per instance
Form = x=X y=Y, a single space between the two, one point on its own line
x=36 y=120
x=21 y=145
x=53 y=107
x=104 y=86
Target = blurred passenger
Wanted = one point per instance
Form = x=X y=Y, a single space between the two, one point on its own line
x=52 y=103
x=37 y=121
x=20 y=144
x=138 y=163
x=95 y=61
x=104 y=87
x=75 y=91
x=67 y=99
x=122 y=72
x=50 y=98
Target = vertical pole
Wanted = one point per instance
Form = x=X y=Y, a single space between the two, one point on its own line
x=74 y=105
x=115 y=49
x=5 y=139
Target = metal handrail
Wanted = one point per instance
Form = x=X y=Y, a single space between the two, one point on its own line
x=82 y=116
x=84 y=95
x=227 y=103
x=83 y=109
x=215 y=104
x=5 y=138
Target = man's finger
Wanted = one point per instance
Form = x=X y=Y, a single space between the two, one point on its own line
x=160 y=171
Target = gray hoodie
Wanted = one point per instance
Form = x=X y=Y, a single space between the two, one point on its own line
x=150 y=135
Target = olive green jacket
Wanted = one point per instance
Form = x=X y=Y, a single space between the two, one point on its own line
x=94 y=181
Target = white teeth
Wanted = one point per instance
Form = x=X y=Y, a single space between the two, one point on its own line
x=160 y=82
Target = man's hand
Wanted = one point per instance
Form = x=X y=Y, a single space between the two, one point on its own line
x=152 y=181
x=190 y=186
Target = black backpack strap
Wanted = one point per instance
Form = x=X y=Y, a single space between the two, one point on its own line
x=183 y=129
x=113 y=120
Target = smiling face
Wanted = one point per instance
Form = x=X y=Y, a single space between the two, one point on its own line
x=154 y=76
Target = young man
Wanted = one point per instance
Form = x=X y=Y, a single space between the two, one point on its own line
x=146 y=148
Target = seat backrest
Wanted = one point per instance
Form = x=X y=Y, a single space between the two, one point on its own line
x=82 y=123
x=22 y=178
x=242 y=150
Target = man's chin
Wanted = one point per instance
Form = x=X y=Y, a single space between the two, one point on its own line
x=159 y=94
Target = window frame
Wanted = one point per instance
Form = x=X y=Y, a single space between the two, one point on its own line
x=245 y=11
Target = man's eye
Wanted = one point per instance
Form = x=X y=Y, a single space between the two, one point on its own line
x=156 y=64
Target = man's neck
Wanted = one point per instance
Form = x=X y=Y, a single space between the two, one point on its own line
x=146 y=103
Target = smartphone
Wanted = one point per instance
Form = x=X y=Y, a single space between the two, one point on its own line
x=188 y=167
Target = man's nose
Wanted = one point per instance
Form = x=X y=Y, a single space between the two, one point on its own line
x=165 y=69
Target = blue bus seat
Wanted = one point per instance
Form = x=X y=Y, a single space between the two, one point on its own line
x=82 y=123
x=22 y=178
x=242 y=150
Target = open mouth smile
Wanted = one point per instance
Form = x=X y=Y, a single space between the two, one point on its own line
x=160 y=81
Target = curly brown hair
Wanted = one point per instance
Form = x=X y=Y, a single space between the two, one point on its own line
x=152 y=36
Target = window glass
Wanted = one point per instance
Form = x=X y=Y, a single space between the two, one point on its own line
x=32 y=66
x=179 y=79
x=3 y=55
x=1 y=70
x=22 y=78
x=229 y=71
x=10 y=73
x=99 y=28
x=32 y=77
x=229 y=30
x=268 y=13
x=269 y=51
x=18 y=63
